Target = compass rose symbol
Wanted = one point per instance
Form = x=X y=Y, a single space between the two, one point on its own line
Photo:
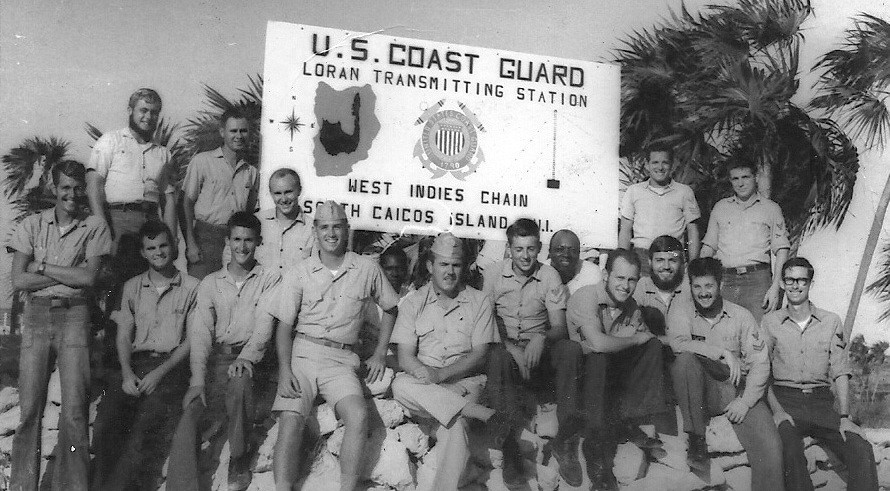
x=292 y=124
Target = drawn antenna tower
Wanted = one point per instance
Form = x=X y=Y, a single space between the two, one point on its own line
x=553 y=182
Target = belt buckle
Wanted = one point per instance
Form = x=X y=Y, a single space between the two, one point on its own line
x=59 y=303
x=741 y=270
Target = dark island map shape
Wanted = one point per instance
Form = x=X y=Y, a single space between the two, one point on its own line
x=347 y=127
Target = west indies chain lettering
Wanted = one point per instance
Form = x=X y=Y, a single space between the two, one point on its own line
x=419 y=136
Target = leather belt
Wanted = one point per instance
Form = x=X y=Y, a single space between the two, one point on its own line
x=58 y=302
x=228 y=349
x=141 y=206
x=324 y=342
x=740 y=270
x=812 y=390
x=147 y=354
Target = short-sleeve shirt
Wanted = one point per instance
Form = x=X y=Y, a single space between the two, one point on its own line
x=659 y=211
x=284 y=246
x=590 y=274
x=444 y=330
x=330 y=306
x=812 y=357
x=159 y=319
x=218 y=189
x=593 y=307
x=744 y=233
x=653 y=305
x=38 y=236
x=132 y=171
x=522 y=303
x=226 y=314
x=734 y=330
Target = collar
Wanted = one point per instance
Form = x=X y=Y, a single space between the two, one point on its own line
x=649 y=285
x=49 y=217
x=507 y=270
x=146 y=281
x=315 y=264
x=661 y=189
x=724 y=312
x=433 y=297
x=270 y=214
x=753 y=200
x=224 y=274
x=128 y=133
x=815 y=312
x=218 y=153
x=605 y=300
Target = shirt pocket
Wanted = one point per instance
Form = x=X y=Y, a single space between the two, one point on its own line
x=460 y=337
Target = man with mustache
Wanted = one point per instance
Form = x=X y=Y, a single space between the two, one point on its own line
x=658 y=206
x=129 y=179
x=56 y=254
x=565 y=257
x=228 y=338
x=529 y=302
x=810 y=354
x=623 y=383
x=664 y=287
x=288 y=237
x=744 y=230
x=142 y=400
x=722 y=367
x=217 y=184
x=443 y=334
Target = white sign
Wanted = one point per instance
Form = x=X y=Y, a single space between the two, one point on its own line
x=418 y=136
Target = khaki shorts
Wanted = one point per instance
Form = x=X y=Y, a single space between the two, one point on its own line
x=320 y=370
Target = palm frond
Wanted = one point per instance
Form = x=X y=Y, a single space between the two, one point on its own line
x=27 y=168
x=880 y=287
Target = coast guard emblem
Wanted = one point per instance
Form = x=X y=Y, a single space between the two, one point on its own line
x=449 y=142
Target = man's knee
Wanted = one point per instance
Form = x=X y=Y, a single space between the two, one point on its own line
x=566 y=348
x=858 y=449
x=353 y=411
x=290 y=424
x=499 y=357
x=238 y=387
x=684 y=363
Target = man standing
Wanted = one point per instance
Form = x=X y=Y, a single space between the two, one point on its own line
x=742 y=232
x=664 y=287
x=722 y=367
x=228 y=339
x=288 y=237
x=217 y=184
x=443 y=333
x=810 y=355
x=623 y=378
x=56 y=255
x=142 y=401
x=658 y=206
x=529 y=301
x=324 y=295
x=565 y=257
x=128 y=181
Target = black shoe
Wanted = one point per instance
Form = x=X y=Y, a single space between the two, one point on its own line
x=514 y=471
x=638 y=437
x=601 y=478
x=697 y=454
x=566 y=455
x=239 y=474
x=498 y=427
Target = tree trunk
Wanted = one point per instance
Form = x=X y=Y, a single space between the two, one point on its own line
x=870 y=244
x=765 y=180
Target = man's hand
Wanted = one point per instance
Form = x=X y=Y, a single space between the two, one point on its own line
x=130 y=383
x=32 y=267
x=288 y=385
x=736 y=411
x=193 y=393
x=425 y=374
x=193 y=253
x=150 y=382
x=376 y=366
x=781 y=416
x=847 y=425
x=735 y=367
x=519 y=357
x=642 y=337
x=533 y=351
x=239 y=367
x=772 y=298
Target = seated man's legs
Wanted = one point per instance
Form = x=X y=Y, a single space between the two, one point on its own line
x=797 y=476
x=688 y=377
x=354 y=413
x=567 y=361
x=287 y=449
x=240 y=410
x=503 y=382
x=760 y=439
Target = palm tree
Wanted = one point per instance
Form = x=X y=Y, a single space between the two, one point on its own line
x=718 y=87
x=854 y=87
x=27 y=167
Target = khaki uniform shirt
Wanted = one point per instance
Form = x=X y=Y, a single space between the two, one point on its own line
x=735 y=331
x=445 y=333
x=659 y=211
x=592 y=306
x=745 y=233
x=159 y=319
x=284 y=247
x=522 y=303
x=218 y=189
x=132 y=171
x=227 y=314
x=38 y=236
x=653 y=306
x=329 y=306
x=808 y=358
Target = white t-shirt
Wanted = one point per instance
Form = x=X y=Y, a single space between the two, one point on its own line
x=590 y=274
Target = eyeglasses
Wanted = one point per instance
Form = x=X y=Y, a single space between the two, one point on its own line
x=796 y=281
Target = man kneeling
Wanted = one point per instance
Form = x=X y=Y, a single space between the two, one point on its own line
x=722 y=366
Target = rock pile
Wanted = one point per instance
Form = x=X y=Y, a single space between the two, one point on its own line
x=401 y=453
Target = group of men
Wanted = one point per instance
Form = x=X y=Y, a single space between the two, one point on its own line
x=592 y=341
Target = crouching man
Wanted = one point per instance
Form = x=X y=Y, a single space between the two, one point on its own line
x=722 y=367
x=325 y=296
x=443 y=334
x=809 y=355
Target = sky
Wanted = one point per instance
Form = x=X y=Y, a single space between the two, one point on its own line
x=64 y=63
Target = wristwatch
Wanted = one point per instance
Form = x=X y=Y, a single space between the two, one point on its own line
x=42 y=267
